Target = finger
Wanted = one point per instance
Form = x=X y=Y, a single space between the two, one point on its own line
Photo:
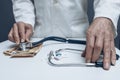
x=16 y=34
x=107 y=51
x=28 y=33
x=10 y=35
x=21 y=30
x=89 y=47
x=98 y=48
x=113 y=52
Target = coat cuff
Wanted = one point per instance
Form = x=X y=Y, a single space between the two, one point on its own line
x=30 y=21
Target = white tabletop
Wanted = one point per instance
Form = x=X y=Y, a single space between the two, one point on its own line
x=37 y=68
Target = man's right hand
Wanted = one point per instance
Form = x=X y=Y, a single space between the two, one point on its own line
x=20 y=32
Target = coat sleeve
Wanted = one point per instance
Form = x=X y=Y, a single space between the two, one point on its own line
x=24 y=11
x=109 y=9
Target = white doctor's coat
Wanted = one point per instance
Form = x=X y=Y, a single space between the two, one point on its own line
x=65 y=18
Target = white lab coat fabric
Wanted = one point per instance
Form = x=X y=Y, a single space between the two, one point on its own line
x=64 y=18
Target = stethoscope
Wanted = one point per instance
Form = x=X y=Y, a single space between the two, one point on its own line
x=56 y=55
x=24 y=46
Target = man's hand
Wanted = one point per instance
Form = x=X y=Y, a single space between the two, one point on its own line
x=100 y=36
x=20 y=32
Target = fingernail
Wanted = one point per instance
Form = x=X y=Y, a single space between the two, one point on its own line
x=88 y=61
x=27 y=40
x=113 y=62
x=107 y=66
x=22 y=40
x=17 y=42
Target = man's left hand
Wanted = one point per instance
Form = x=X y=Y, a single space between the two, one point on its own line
x=100 y=36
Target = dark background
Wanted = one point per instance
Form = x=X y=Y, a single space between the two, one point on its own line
x=7 y=19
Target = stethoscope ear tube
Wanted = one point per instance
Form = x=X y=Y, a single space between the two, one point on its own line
x=52 y=56
x=59 y=39
x=76 y=41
